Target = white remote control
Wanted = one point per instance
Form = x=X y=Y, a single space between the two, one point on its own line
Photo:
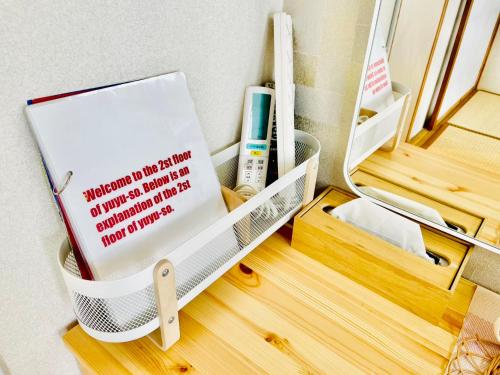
x=256 y=137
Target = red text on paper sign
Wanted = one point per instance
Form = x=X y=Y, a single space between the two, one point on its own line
x=174 y=180
x=376 y=77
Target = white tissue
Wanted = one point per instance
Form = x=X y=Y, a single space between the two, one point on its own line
x=383 y=223
x=403 y=203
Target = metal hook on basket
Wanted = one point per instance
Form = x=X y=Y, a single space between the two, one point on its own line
x=57 y=191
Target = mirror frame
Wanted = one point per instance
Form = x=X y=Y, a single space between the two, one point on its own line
x=347 y=177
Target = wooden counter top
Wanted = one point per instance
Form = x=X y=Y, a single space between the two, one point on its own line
x=282 y=312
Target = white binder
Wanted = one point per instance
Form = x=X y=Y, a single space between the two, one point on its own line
x=94 y=143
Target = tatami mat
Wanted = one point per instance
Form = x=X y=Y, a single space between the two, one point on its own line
x=469 y=148
x=480 y=114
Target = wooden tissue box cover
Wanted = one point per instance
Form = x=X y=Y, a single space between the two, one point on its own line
x=412 y=282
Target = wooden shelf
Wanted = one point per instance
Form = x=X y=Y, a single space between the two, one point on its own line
x=283 y=312
x=471 y=195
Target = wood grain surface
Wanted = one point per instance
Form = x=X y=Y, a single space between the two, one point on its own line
x=490 y=232
x=408 y=280
x=441 y=179
x=468 y=222
x=281 y=312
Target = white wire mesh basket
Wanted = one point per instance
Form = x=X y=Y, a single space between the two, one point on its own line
x=384 y=130
x=126 y=309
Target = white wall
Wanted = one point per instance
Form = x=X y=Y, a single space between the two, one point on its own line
x=414 y=37
x=53 y=46
x=475 y=41
x=490 y=79
x=434 y=69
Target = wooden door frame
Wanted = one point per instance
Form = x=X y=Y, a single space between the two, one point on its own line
x=434 y=126
x=432 y=122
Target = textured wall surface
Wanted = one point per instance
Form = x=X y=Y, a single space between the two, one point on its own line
x=55 y=46
x=484 y=269
x=330 y=43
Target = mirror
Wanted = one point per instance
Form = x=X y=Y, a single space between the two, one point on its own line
x=426 y=140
